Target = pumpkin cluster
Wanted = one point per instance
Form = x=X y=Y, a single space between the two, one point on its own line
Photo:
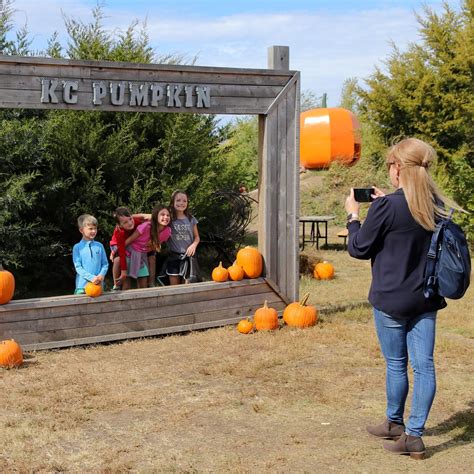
x=249 y=264
x=297 y=314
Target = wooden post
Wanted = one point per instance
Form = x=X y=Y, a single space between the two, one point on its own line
x=279 y=58
x=279 y=182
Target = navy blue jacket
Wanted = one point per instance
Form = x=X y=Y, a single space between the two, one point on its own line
x=397 y=247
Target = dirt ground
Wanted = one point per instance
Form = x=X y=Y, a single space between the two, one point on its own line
x=218 y=401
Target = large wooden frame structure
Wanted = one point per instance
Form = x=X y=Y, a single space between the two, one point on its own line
x=273 y=94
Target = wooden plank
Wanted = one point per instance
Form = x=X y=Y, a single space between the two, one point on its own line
x=28 y=99
x=33 y=83
x=245 y=304
x=204 y=317
x=96 y=306
x=281 y=250
x=292 y=191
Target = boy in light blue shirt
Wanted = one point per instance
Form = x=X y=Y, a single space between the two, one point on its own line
x=88 y=255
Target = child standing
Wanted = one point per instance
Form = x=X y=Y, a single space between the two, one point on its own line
x=126 y=225
x=90 y=260
x=143 y=244
x=182 y=266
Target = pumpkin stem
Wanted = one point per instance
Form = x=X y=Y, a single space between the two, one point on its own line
x=304 y=299
x=265 y=305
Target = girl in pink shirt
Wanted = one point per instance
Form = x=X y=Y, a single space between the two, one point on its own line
x=143 y=244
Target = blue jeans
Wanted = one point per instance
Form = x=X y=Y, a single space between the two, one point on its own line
x=400 y=339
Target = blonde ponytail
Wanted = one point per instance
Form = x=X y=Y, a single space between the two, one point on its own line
x=424 y=199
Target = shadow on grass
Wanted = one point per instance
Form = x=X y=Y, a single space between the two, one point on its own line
x=462 y=423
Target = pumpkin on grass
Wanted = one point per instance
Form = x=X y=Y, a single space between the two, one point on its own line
x=266 y=319
x=7 y=285
x=250 y=259
x=236 y=272
x=300 y=315
x=93 y=290
x=323 y=271
x=220 y=273
x=11 y=354
x=245 y=326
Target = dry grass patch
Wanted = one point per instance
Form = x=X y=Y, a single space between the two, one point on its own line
x=216 y=400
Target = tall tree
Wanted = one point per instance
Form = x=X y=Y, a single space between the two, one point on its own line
x=57 y=165
x=428 y=92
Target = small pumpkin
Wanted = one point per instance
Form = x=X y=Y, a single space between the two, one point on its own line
x=245 y=326
x=220 y=273
x=7 y=286
x=250 y=259
x=11 y=354
x=300 y=315
x=266 y=319
x=93 y=290
x=236 y=272
x=323 y=271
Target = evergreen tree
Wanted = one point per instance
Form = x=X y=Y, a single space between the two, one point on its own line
x=56 y=165
x=427 y=92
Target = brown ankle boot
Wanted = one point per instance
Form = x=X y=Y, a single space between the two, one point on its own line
x=412 y=445
x=387 y=430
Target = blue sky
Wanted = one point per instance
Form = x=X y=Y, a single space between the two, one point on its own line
x=329 y=41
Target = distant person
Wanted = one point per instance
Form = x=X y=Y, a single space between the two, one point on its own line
x=396 y=237
x=142 y=245
x=126 y=225
x=89 y=257
x=181 y=265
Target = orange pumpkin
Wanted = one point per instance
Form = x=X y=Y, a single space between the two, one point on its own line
x=323 y=271
x=299 y=315
x=327 y=135
x=266 y=318
x=236 y=272
x=220 y=273
x=93 y=290
x=11 y=354
x=245 y=326
x=7 y=286
x=250 y=259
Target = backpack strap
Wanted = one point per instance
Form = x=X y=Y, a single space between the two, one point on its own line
x=431 y=280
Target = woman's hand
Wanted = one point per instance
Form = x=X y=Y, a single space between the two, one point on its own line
x=351 y=206
x=191 y=250
x=377 y=193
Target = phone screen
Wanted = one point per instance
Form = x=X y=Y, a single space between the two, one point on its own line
x=363 y=194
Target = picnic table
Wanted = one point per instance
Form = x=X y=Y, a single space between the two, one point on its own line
x=318 y=229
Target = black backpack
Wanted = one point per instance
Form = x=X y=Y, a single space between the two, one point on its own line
x=448 y=266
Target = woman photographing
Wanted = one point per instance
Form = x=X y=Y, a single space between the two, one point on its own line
x=396 y=237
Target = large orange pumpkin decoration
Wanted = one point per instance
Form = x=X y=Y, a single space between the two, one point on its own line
x=300 y=315
x=7 y=286
x=328 y=135
x=93 y=290
x=245 y=326
x=266 y=318
x=236 y=272
x=323 y=271
x=220 y=273
x=11 y=354
x=250 y=259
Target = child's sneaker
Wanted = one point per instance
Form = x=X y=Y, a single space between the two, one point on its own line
x=116 y=288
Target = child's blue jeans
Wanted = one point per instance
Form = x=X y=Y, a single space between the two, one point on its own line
x=400 y=339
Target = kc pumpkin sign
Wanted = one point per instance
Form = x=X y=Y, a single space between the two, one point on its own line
x=133 y=94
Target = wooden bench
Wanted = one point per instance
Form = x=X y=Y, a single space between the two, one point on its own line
x=343 y=234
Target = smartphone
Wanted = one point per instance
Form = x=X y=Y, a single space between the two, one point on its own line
x=363 y=194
